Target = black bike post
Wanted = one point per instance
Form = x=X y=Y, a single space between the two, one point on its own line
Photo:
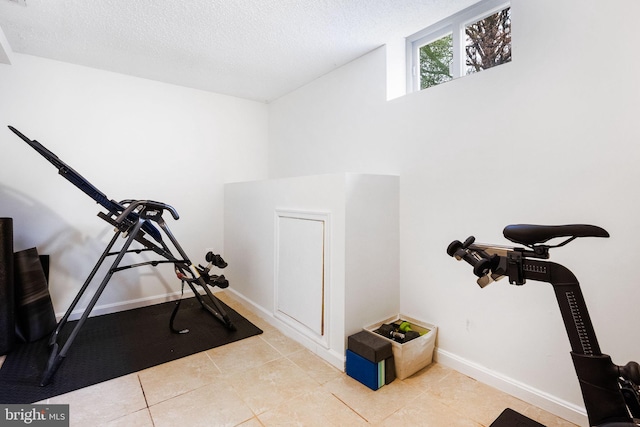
x=597 y=374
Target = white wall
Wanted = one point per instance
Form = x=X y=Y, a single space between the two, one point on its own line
x=550 y=138
x=131 y=138
x=361 y=265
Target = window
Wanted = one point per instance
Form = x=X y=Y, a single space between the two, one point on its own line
x=470 y=41
x=436 y=58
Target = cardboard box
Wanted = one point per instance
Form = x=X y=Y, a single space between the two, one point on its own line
x=413 y=355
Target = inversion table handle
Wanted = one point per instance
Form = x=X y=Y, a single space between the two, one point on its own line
x=147 y=203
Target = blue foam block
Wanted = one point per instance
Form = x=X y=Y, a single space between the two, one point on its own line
x=368 y=373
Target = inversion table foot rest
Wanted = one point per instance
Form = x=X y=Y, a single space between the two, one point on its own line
x=135 y=220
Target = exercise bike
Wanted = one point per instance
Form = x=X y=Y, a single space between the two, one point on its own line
x=610 y=392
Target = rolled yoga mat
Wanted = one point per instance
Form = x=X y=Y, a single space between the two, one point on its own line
x=7 y=304
x=35 y=317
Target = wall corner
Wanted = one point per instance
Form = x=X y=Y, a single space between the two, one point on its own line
x=6 y=54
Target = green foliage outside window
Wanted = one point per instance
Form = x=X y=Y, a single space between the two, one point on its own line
x=435 y=62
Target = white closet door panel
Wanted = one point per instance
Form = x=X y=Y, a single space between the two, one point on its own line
x=300 y=271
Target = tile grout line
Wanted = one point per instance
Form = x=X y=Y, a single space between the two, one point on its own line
x=422 y=392
x=146 y=402
x=350 y=408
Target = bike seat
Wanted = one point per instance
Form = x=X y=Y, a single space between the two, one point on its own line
x=527 y=234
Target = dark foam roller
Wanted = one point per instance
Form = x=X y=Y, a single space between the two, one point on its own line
x=7 y=304
x=34 y=311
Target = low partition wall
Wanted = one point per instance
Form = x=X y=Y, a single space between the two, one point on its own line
x=318 y=255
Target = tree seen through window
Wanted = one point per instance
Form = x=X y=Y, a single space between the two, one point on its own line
x=487 y=44
x=435 y=62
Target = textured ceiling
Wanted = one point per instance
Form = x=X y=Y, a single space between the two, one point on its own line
x=255 y=49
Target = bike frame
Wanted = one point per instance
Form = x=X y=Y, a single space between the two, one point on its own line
x=608 y=401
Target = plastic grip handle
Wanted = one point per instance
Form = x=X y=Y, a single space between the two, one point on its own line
x=481 y=265
x=453 y=248
x=458 y=250
x=160 y=205
x=150 y=203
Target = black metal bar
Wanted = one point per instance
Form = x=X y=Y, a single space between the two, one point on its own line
x=54 y=336
x=56 y=358
x=575 y=315
x=597 y=375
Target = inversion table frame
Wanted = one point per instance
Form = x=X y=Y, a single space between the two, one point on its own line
x=133 y=220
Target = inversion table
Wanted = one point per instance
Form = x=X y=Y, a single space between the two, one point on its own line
x=134 y=220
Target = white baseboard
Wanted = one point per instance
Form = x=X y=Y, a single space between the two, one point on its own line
x=124 y=305
x=329 y=355
x=563 y=409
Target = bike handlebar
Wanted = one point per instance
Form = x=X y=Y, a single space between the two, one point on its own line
x=490 y=263
x=481 y=261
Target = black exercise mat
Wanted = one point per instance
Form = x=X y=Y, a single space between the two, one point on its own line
x=114 y=345
x=511 y=418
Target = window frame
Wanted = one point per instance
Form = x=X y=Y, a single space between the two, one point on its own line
x=454 y=25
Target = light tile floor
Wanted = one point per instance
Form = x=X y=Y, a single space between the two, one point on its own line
x=270 y=380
